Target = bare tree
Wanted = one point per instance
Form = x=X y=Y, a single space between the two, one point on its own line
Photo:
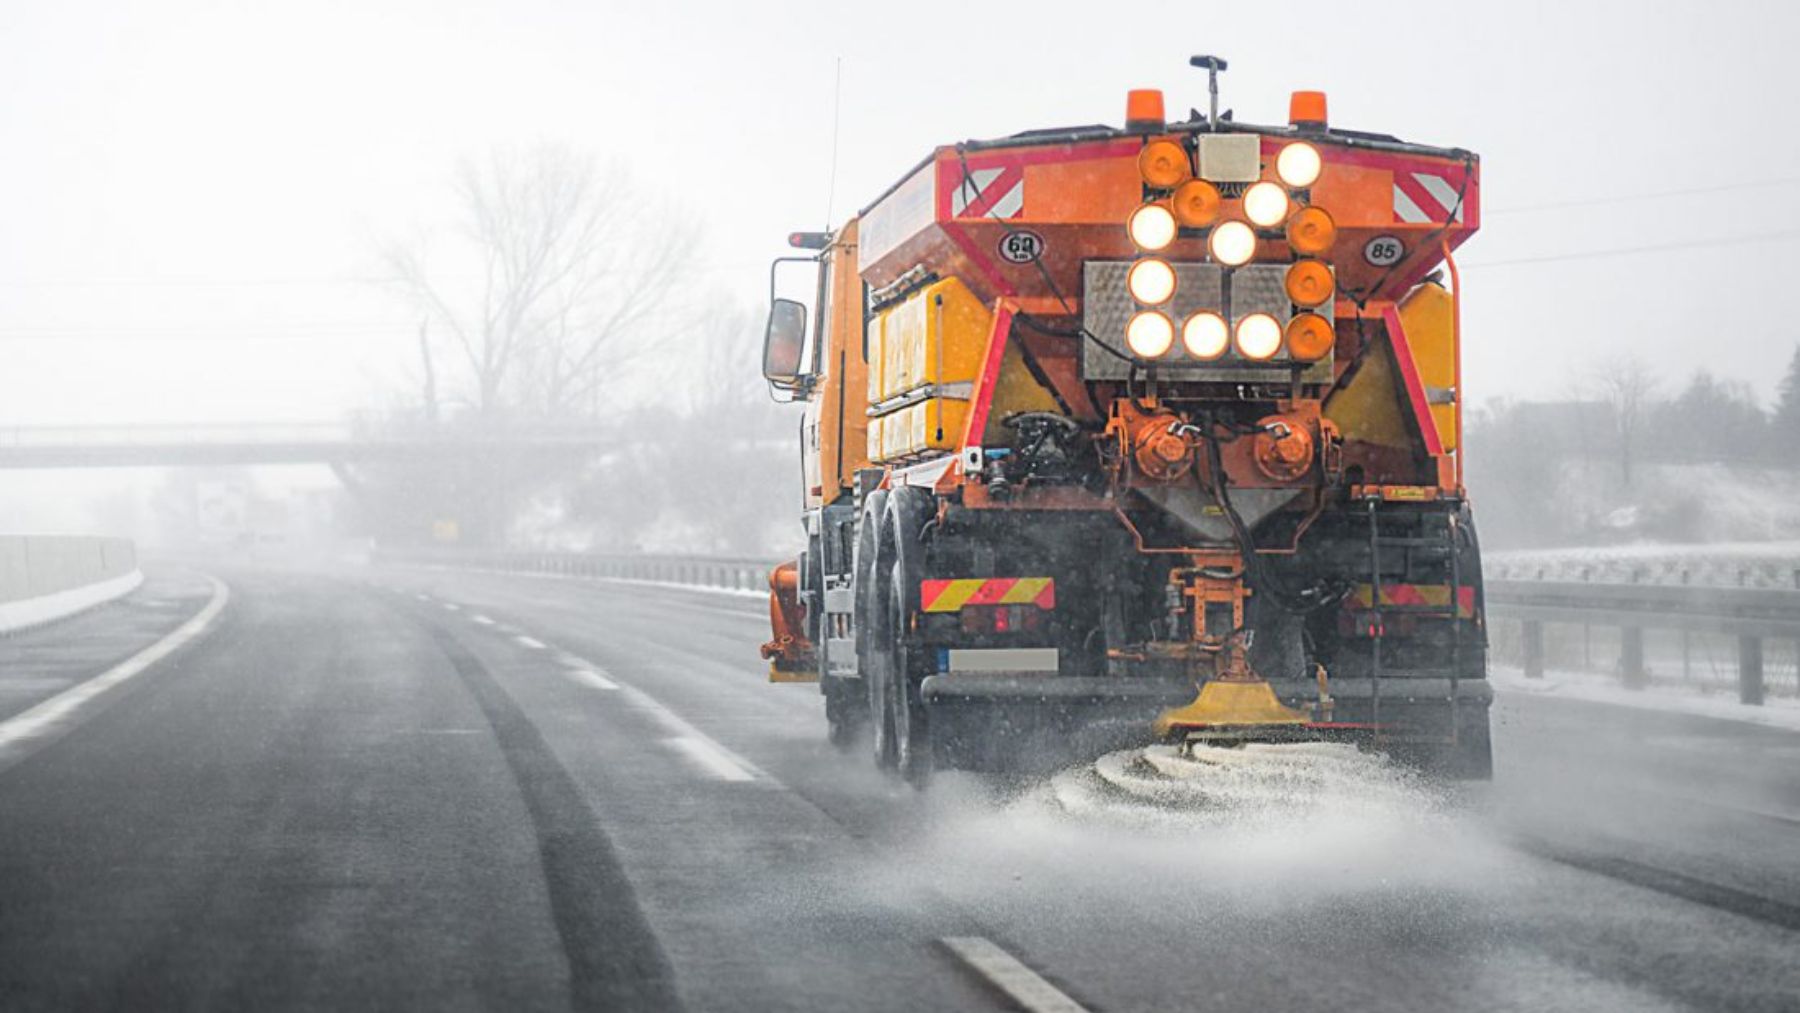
x=1628 y=386
x=561 y=266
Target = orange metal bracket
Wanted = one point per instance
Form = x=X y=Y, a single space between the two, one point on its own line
x=1456 y=343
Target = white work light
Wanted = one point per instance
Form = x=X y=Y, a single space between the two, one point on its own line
x=1266 y=204
x=1205 y=335
x=1152 y=227
x=1258 y=336
x=1150 y=334
x=1232 y=244
x=1298 y=165
x=1151 y=282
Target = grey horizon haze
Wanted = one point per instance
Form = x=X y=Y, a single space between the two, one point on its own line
x=193 y=193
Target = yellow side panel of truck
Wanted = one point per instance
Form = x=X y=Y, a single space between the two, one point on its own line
x=930 y=346
x=1428 y=315
x=937 y=336
x=923 y=427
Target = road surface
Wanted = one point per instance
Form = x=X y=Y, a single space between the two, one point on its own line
x=426 y=789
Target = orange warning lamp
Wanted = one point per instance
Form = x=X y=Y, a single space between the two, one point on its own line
x=1164 y=163
x=1309 y=337
x=1144 y=109
x=1196 y=203
x=1308 y=282
x=1307 y=109
x=1311 y=231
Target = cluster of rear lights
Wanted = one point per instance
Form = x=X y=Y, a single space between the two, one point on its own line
x=1150 y=334
x=1197 y=204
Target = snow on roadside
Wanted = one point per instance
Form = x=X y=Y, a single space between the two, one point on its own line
x=1780 y=712
x=1722 y=564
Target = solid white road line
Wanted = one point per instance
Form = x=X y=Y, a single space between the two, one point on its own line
x=591 y=679
x=711 y=757
x=483 y=620
x=25 y=733
x=1020 y=983
x=531 y=642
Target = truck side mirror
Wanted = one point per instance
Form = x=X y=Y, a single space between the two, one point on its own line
x=784 y=341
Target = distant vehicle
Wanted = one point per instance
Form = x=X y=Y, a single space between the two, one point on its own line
x=1113 y=433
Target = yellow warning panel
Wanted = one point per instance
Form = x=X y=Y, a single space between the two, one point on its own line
x=1015 y=391
x=1428 y=315
x=1367 y=409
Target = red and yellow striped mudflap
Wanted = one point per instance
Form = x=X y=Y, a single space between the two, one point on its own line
x=952 y=595
x=1403 y=595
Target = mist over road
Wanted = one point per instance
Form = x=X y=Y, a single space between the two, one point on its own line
x=426 y=789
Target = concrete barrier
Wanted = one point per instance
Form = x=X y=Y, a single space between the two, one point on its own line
x=44 y=578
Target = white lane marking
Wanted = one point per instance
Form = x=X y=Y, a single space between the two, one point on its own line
x=1020 y=983
x=451 y=606
x=702 y=748
x=711 y=756
x=422 y=597
x=24 y=733
x=531 y=642
x=592 y=679
x=483 y=620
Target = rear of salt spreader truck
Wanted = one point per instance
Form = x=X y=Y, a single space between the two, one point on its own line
x=1114 y=434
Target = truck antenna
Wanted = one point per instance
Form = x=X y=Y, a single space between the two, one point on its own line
x=837 y=95
x=1213 y=65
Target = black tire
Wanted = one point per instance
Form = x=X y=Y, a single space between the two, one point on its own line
x=911 y=728
x=881 y=713
x=846 y=711
x=869 y=590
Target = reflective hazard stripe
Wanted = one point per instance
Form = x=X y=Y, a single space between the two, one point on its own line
x=989 y=193
x=1422 y=198
x=1403 y=595
x=953 y=595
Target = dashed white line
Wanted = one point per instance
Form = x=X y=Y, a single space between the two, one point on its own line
x=592 y=679
x=422 y=597
x=483 y=620
x=531 y=642
x=1004 y=971
x=711 y=756
x=699 y=747
x=451 y=606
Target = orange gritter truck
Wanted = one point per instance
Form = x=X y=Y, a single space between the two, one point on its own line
x=1113 y=434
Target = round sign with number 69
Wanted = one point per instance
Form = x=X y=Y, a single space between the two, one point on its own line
x=1021 y=246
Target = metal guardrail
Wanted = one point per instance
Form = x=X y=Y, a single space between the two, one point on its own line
x=1752 y=615
x=1749 y=614
x=300 y=443
x=1727 y=566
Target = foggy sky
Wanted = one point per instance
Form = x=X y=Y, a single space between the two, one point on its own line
x=191 y=191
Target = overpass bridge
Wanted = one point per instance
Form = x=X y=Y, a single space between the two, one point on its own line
x=329 y=443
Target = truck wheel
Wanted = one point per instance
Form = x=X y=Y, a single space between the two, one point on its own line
x=911 y=731
x=846 y=711
x=869 y=591
x=878 y=661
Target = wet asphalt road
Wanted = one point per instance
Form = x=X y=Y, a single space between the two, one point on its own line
x=419 y=789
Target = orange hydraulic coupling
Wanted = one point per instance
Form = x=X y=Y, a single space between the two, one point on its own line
x=1160 y=452
x=790 y=654
x=1284 y=448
